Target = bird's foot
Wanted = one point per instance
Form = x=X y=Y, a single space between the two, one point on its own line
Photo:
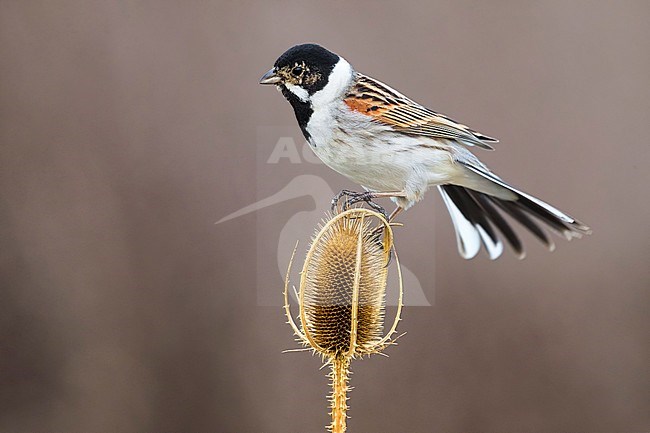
x=337 y=197
x=353 y=197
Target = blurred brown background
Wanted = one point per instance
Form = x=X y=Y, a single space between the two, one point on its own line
x=128 y=128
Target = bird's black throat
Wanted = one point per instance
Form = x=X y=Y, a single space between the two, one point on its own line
x=302 y=109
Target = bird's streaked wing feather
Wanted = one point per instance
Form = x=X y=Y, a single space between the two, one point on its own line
x=386 y=105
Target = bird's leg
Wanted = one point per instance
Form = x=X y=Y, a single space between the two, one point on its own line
x=394 y=213
x=392 y=216
x=356 y=197
x=368 y=196
x=388 y=194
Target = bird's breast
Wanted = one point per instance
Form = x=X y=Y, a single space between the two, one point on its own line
x=360 y=149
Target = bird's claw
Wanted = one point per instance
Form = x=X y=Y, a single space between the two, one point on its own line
x=353 y=197
x=337 y=197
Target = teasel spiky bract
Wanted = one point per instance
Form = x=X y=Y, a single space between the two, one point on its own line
x=342 y=296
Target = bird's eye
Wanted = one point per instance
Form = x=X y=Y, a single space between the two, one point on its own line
x=296 y=71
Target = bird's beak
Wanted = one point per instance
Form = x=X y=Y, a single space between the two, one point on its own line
x=270 y=77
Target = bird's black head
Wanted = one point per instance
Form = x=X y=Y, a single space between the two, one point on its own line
x=305 y=66
x=304 y=70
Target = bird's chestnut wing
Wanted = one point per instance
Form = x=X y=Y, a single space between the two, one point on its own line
x=387 y=106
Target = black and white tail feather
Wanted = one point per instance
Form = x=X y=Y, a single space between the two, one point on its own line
x=477 y=218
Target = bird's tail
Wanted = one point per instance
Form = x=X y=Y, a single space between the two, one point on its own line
x=478 y=216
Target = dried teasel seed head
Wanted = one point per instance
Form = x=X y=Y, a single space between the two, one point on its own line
x=343 y=286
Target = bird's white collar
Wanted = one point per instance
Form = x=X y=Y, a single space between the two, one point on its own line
x=339 y=81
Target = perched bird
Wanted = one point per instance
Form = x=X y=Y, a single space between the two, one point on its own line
x=394 y=147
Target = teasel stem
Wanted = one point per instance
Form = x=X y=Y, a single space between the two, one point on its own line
x=341 y=361
x=339 y=397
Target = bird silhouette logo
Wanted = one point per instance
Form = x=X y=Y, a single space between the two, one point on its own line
x=300 y=226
